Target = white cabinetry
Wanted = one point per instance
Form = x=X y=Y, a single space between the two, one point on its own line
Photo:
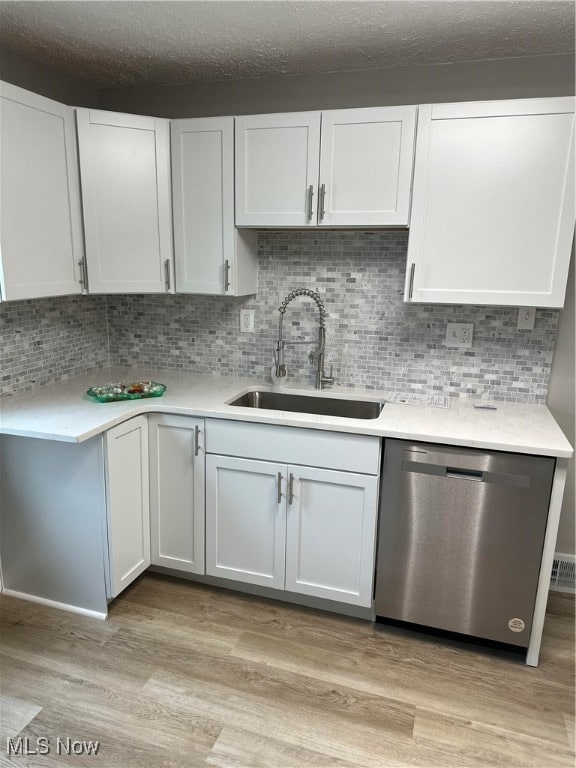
x=306 y=529
x=493 y=203
x=125 y=176
x=346 y=168
x=177 y=492
x=40 y=211
x=211 y=255
x=366 y=167
x=331 y=521
x=127 y=502
x=277 y=169
x=245 y=520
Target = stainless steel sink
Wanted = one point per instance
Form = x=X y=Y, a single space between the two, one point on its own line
x=323 y=406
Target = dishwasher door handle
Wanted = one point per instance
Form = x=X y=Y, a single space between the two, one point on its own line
x=457 y=473
x=465 y=474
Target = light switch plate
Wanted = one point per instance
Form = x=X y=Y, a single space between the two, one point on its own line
x=459 y=334
x=526 y=318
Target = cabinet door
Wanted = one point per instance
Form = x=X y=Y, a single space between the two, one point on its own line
x=40 y=197
x=127 y=500
x=211 y=256
x=331 y=534
x=366 y=166
x=277 y=169
x=177 y=492
x=245 y=520
x=125 y=175
x=203 y=195
x=493 y=203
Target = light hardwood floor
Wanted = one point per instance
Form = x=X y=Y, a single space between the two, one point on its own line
x=184 y=675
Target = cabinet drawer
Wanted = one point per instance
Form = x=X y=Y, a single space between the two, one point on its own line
x=293 y=445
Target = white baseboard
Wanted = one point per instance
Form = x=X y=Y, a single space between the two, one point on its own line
x=54 y=604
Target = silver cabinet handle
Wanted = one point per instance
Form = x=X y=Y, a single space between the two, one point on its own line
x=196 y=440
x=279 y=482
x=309 y=202
x=82 y=280
x=226 y=275
x=167 y=274
x=291 y=488
x=321 y=200
x=411 y=280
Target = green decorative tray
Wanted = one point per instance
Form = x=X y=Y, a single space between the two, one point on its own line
x=109 y=393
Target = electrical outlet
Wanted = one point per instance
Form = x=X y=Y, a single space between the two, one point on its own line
x=247 y=320
x=459 y=334
x=526 y=318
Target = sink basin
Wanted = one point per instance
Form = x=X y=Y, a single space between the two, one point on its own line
x=323 y=406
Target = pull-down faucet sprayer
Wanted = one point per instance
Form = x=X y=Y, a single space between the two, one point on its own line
x=315 y=355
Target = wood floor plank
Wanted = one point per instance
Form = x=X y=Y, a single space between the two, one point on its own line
x=570 y=730
x=236 y=748
x=524 y=702
x=492 y=746
x=189 y=675
x=199 y=670
x=15 y=714
x=124 y=742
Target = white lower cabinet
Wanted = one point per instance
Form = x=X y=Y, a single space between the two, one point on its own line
x=177 y=492
x=309 y=530
x=127 y=503
x=330 y=528
x=245 y=520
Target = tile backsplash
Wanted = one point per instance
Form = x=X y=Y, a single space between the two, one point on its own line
x=47 y=340
x=373 y=339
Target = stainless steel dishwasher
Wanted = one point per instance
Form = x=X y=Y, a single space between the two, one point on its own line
x=460 y=538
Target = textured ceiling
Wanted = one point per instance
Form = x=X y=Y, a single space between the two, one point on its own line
x=113 y=44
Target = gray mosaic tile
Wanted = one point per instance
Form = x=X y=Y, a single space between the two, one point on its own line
x=47 y=340
x=374 y=340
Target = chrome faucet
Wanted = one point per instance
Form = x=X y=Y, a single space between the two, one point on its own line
x=316 y=355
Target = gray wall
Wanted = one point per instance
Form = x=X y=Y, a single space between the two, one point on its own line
x=470 y=81
x=562 y=401
x=45 y=80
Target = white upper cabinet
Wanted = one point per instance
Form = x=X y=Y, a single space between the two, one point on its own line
x=125 y=176
x=277 y=169
x=346 y=168
x=366 y=164
x=493 y=203
x=40 y=211
x=211 y=255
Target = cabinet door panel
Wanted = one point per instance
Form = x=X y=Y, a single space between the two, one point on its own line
x=127 y=498
x=366 y=166
x=245 y=521
x=124 y=162
x=493 y=204
x=203 y=191
x=276 y=162
x=331 y=533
x=177 y=492
x=40 y=197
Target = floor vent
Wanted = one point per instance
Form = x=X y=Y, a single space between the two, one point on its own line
x=563 y=573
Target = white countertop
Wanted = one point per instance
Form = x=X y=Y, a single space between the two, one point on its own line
x=63 y=412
